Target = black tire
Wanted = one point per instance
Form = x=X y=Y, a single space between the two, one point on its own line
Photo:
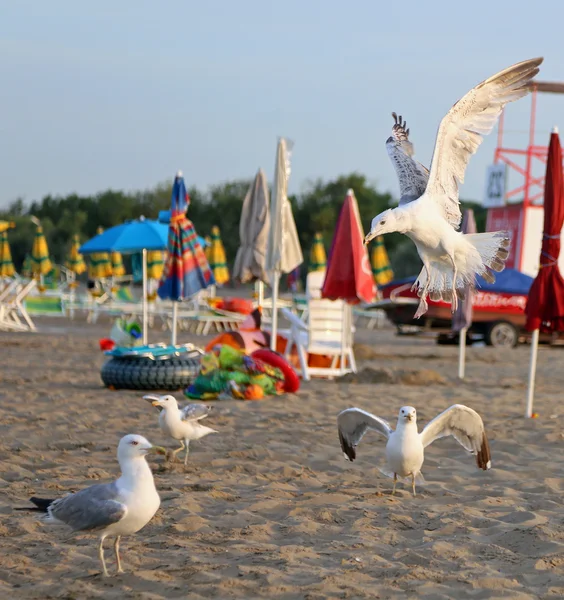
x=141 y=373
x=502 y=334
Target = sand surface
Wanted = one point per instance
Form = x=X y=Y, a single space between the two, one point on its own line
x=269 y=508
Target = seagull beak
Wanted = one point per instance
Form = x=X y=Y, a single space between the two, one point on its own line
x=156 y=450
x=156 y=403
x=369 y=237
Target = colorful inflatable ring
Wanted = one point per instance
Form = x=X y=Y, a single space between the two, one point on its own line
x=274 y=359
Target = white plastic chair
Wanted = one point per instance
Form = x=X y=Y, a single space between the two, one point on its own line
x=13 y=314
x=328 y=330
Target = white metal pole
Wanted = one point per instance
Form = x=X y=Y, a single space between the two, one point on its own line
x=174 y=321
x=260 y=291
x=462 y=352
x=532 y=373
x=274 y=329
x=145 y=302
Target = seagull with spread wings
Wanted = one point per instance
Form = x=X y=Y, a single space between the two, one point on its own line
x=451 y=260
x=405 y=445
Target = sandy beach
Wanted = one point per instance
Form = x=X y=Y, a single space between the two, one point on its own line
x=268 y=508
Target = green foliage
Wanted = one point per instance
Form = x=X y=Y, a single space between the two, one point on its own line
x=315 y=210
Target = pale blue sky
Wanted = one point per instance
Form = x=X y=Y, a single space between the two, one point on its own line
x=123 y=93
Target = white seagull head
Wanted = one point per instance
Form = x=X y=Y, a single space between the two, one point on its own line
x=162 y=401
x=389 y=221
x=407 y=414
x=134 y=446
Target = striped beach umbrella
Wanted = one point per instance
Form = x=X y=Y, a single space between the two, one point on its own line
x=317 y=255
x=186 y=269
x=6 y=265
x=118 y=270
x=155 y=264
x=40 y=262
x=100 y=266
x=381 y=268
x=75 y=261
x=5 y=225
x=217 y=260
x=207 y=247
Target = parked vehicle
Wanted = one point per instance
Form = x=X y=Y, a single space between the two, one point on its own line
x=499 y=309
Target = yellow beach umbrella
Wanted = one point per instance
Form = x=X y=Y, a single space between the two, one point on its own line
x=381 y=268
x=155 y=264
x=317 y=255
x=6 y=265
x=118 y=270
x=100 y=265
x=75 y=262
x=40 y=262
x=5 y=225
x=218 y=263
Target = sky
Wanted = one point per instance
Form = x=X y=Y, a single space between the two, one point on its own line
x=123 y=94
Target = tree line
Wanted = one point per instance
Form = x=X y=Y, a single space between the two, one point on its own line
x=316 y=209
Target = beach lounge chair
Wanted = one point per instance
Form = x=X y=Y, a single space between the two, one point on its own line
x=328 y=331
x=13 y=314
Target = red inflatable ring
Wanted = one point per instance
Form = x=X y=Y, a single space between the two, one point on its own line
x=275 y=359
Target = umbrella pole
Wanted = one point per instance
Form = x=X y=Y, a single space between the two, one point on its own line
x=462 y=352
x=145 y=306
x=532 y=373
x=274 y=330
x=174 y=322
x=260 y=293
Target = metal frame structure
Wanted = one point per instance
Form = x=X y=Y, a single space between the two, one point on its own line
x=532 y=187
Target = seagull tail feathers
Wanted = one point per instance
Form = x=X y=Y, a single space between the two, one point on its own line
x=41 y=505
x=494 y=251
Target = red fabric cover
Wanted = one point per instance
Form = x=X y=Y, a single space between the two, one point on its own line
x=349 y=275
x=274 y=359
x=545 y=306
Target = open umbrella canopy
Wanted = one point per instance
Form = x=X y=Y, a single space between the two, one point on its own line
x=75 y=261
x=129 y=237
x=5 y=225
x=349 y=276
x=253 y=232
x=40 y=262
x=317 y=255
x=380 y=262
x=6 y=265
x=545 y=305
x=186 y=270
x=216 y=257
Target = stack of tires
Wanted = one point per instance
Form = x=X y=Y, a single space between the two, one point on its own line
x=144 y=373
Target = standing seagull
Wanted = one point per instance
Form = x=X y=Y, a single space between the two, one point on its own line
x=405 y=446
x=451 y=260
x=119 y=508
x=181 y=424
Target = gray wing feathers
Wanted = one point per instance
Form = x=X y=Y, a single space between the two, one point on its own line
x=195 y=412
x=467 y=428
x=412 y=175
x=461 y=131
x=93 y=508
x=353 y=423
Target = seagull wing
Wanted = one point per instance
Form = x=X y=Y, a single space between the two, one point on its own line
x=467 y=428
x=194 y=412
x=462 y=129
x=353 y=423
x=412 y=175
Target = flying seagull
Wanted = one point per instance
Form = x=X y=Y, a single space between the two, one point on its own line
x=451 y=260
x=112 y=509
x=181 y=424
x=405 y=446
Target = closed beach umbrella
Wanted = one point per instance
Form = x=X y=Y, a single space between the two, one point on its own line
x=118 y=270
x=317 y=255
x=6 y=265
x=100 y=266
x=254 y=227
x=5 y=225
x=75 y=261
x=217 y=260
x=155 y=264
x=40 y=262
x=207 y=247
x=462 y=318
x=283 y=253
x=380 y=263
x=186 y=269
x=545 y=304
